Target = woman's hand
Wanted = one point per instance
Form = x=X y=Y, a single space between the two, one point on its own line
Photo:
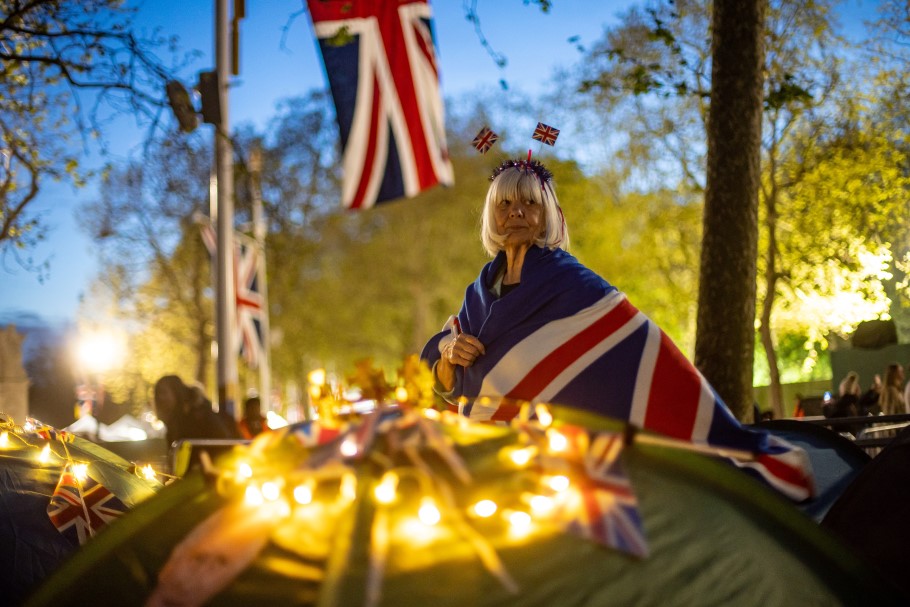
x=463 y=351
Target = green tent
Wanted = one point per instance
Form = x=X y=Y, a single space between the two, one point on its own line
x=33 y=458
x=714 y=536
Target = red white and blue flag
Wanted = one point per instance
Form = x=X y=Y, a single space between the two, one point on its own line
x=601 y=506
x=249 y=270
x=545 y=134
x=380 y=60
x=79 y=509
x=567 y=337
x=249 y=310
x=484 y=140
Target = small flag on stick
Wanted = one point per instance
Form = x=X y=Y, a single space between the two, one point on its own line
x=484 y=140
x=545 y=134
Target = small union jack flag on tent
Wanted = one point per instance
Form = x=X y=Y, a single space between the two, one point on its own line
x=545 y=134
x=602 y=506
x=484 y=140
x=79 y=509
x=380 y=60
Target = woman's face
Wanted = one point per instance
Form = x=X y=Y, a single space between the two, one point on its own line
x=518 y=220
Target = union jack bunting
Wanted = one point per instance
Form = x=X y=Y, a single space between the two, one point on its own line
x=380 y=60
x=249 y=310
x=568 y=337
x=602 y=506
x=545 y=133
x=79 y=510
x=484 y=140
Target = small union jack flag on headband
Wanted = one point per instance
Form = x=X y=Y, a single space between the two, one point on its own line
x=484 y=140
x=545 y=133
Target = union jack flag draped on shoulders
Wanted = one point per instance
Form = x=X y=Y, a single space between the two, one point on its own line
x=381 y=64
x=566 y=336
x=79 y=509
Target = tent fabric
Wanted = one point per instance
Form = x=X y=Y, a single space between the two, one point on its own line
x=716 y=537
x=836 y=460
x=872 y=516
x=31 y=548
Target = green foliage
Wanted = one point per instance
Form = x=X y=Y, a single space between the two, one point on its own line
x=67 y=69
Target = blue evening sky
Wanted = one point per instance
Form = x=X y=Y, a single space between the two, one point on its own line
x=276 y=65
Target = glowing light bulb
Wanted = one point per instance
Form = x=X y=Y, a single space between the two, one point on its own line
x=315 y=391
x=428 y=513
x=148 y=472
x=316 y=377
x=431 y=414
x=348 y=489
x=541 y=504
x=387 y=489
x=557 y=440
x=485 y=508
x=303 y=494
x=45 y=455
x=4 y=440
x=349 y=447
x=253 y=496
x=271 y=491
x=521 y=457
x=244 y=471
x=520 y=521
x=543 y=415
x=80 y=472
x=401 y=394
x=558 y=483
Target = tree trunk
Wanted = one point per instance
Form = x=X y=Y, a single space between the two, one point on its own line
x=724 y=342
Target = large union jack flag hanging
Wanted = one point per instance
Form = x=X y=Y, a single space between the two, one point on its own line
x=78 y=509
x=381 y=64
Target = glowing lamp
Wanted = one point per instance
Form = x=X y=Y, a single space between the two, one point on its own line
x=253 y=496
x=148 y=472
x=303 y=494
x=45 y=455
x=80 y=471
x=485 y=508
x=558 y=482
x=387 y=489
x=349 y=447
x=428 y=514
x=401 y=394
x=271 y=491
x=316 y=377
x=244 y=471
x=4 y=440
x=557 y=440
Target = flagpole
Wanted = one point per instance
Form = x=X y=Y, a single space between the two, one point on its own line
x=224 y=183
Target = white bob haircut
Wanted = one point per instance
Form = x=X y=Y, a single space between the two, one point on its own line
x=520 y=183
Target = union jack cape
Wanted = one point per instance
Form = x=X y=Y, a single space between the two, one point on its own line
x=380 y=60
x=568 y=337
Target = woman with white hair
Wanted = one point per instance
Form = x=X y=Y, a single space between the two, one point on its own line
x=538 y=326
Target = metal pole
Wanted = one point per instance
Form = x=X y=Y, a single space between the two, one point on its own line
x=224 y=175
